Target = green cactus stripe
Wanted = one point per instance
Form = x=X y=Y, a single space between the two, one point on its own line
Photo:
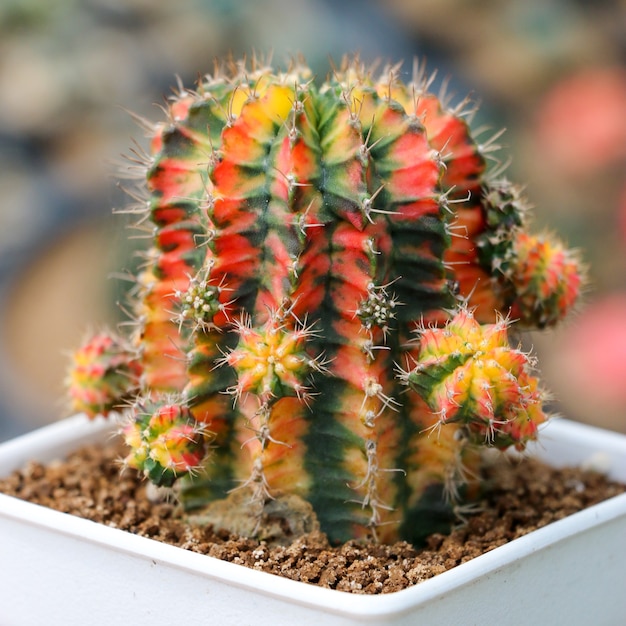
x=342 y=184
x=256 y=246
x=242 y=219
x=332 y=439
x=339 y=411
x=334 y=279
x=408 y=175
x=340 y=272
x=447 y=132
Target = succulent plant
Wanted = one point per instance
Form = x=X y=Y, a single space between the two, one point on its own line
x=104 y=372
x=323 y=315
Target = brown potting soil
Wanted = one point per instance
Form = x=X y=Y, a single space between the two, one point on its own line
x=524 y=496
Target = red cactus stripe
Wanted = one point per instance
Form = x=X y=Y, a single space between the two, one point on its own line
x=462 y=180
x=177 y=177
x=404 y=166
x=244 y=206
x=446 y=132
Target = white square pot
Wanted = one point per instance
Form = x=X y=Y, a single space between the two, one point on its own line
x=58 y=569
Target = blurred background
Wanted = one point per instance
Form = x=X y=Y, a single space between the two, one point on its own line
x=553 y=72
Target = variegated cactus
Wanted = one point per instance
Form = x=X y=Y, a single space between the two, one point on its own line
x=309 y=314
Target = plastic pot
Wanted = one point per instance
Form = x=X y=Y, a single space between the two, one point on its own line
x=58 y=569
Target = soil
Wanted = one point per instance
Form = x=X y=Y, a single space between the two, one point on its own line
x=524 y=496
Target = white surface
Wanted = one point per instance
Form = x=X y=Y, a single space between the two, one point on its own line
x=58 y=569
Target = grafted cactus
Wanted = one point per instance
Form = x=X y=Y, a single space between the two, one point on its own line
x=324 y=256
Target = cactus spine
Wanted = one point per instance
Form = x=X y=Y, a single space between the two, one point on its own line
x=311 y=244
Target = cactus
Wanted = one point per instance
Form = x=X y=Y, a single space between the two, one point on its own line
x=468 y=374
x=104 y=372
x=324 y=312
x=165 y=442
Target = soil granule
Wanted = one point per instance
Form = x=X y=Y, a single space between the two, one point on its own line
x=524 y=496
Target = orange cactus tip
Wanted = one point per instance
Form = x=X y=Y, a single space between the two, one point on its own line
x=468 y=374
x=103 y=374
x=165 y=443
x=547 y=278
